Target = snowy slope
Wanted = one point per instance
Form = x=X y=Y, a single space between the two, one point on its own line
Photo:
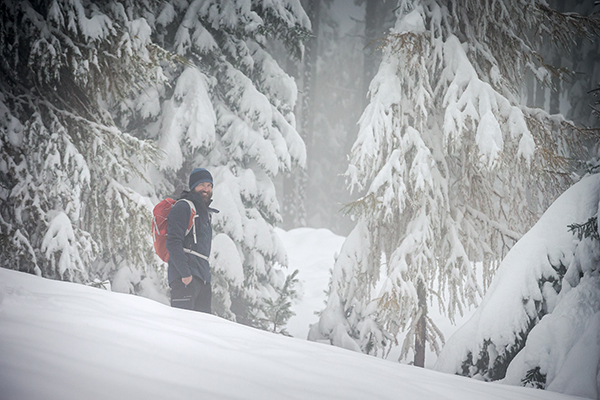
x=312 y=252
x=66 y=341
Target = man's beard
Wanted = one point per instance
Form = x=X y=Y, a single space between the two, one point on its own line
x=206 y=197
x=201 y=197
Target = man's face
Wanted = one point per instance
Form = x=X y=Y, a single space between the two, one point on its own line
x=205 y=190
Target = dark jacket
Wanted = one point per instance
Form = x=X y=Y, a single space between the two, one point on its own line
x=182 y=264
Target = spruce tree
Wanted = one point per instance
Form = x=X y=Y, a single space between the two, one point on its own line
x=454 y=167
x=227 y=105
x=538 y=322
x=67 y=211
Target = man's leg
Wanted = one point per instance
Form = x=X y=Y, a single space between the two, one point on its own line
x=202 y=295
x=181 y=296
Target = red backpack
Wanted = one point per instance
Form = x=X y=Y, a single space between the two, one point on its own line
x=159 y=225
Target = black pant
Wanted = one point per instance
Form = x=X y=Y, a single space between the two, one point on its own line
x=195 y=296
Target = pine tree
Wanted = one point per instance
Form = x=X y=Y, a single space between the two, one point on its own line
x=67 y=210
x=553 y=277
x=278 y=311
x=454 y=168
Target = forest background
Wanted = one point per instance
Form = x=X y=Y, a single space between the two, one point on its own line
x=107 y=107
x=331 y=99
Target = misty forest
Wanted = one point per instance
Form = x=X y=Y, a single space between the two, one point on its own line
x=455 y=144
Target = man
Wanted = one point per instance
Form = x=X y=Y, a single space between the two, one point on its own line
x=189 y=271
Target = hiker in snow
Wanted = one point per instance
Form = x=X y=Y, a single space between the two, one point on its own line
x=189 y=271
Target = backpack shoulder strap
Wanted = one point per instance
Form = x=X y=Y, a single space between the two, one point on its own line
x=193 y=216
x=191 y=204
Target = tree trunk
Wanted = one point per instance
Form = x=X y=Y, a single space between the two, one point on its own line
x=421 y=331
x=370 y=62
x=556 y=81
x=295 y=183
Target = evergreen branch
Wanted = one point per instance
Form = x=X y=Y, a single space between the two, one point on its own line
x=409 y=42
x=362 y=206
x=434 y=336
x=127 y=143
x=534 y=378
x=587 y=229
x=499 y=227
x=292 y=37
x=565 y=23
x=583 y=131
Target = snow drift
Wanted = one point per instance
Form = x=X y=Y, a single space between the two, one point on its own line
x=538 y=323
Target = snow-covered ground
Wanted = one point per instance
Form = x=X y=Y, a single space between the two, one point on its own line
x=312 y=252
x=65 y=341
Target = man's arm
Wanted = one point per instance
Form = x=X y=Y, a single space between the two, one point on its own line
x=178 y=220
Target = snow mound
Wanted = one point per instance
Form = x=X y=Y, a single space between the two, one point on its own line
x=542 y=308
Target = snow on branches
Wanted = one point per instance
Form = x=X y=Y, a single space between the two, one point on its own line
x=65 y=160
x=229 y=108
x=453 y=166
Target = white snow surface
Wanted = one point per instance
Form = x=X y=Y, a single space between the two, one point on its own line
x=65 y=341
x=312 y=252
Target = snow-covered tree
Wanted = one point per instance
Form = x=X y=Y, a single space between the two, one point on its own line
x=107 y=107
x=228 y=106
x=539 y=323
x=67 y=211
x=454 y=169
x=340 y=61
x=279 y=310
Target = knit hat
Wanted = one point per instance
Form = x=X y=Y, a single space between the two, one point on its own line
x=198 y=176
